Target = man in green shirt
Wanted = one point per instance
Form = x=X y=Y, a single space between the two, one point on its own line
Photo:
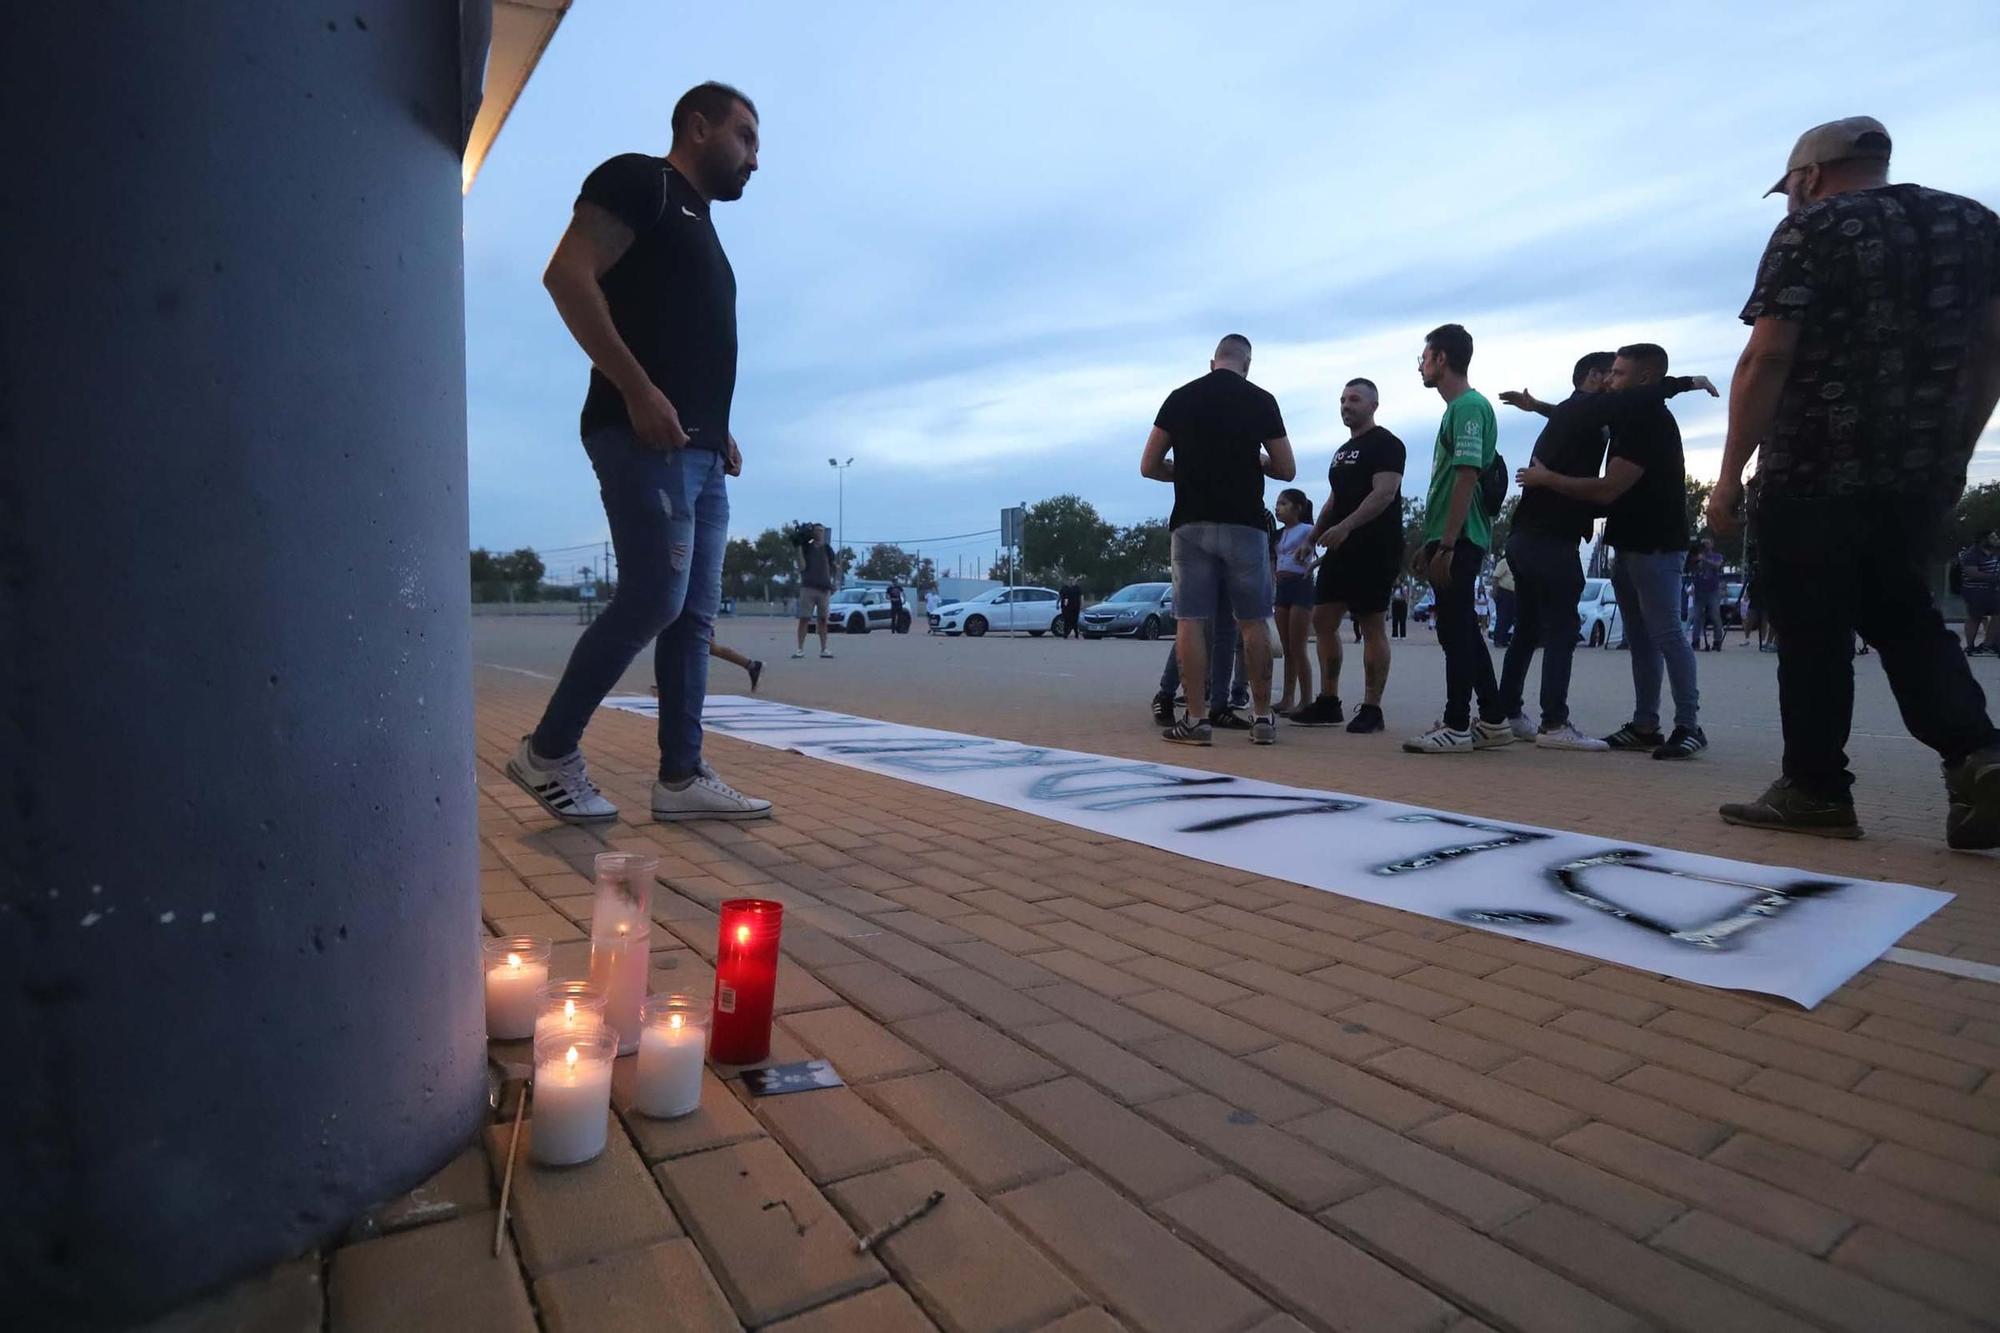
x=1457 y=533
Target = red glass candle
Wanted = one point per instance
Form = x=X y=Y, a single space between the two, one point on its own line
x=746 y=980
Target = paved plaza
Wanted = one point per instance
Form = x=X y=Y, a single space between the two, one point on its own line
x=1161 y=1094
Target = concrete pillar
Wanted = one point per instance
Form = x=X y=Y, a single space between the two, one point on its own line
x=238 y=942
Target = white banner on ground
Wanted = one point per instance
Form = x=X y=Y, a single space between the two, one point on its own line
x=1700 y=918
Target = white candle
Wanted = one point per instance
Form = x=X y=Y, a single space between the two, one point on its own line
x=572 y=1099
x=569 y=1018
x=511 y=996
x=618 y=961
x=670 y=1064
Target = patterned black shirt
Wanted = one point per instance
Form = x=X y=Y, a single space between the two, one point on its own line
x=1890 y=287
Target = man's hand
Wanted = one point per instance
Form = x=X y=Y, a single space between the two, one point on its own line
x=1706 y=385
x=1533 y=475
x=1333 y=537
x=732 y=459
x=654 y=419
x=1520 y=398
x=1725 y=506
x=1440 y=569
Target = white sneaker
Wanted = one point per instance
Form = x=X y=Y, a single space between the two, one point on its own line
x=826 y=652
x=800 y=653
x=564 y=788
x=1491 y=735
x=1523 y=729
x=1441 y=740
x=705 y=796
x=1567 y=737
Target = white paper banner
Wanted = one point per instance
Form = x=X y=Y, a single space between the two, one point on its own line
x=1700 y=918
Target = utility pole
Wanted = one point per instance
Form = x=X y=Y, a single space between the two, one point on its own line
x=840 y=512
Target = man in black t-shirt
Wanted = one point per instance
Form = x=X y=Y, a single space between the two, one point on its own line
x=1226 y=435
x=642 y=282
x=1872 y=367
x=1361 y=527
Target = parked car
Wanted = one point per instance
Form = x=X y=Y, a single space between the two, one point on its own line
x=1732 y=604
x=858 y=610
x=1034 y=611
x=1138 y=610
x=1602 y=626
x=1426 y=604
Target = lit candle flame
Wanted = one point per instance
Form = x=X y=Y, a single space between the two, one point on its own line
x=569 y=1011
x=514 y=961
x=623 y=928
x=743 y=934
x=570 y=1060
x=675 y=1020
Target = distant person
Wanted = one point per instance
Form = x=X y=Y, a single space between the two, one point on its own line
x=1542 y=557
x=1504 y=602
x=899 y=619
x=1294 y=596
x=1872 y=367
x=1976 y=571
x=1707 y=586
x=817 y=577
x=1226 y=435
x=1361 y=529
x=1399 y=606
x=1072 y=609
x=1457 y=533
x=641 y=281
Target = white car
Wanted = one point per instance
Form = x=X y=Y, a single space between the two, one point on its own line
x=1602 y=626
x=1034 y=611
x=858 y=610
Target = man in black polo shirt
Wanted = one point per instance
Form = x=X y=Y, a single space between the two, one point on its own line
x=1361 y=528
x=1226 y=435
x=1541 y=550
x=645 y=289
x=1872 y=367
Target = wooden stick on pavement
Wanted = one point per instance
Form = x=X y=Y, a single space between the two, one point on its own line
x=507 y=1181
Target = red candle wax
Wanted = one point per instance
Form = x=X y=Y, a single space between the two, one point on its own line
x=746 y=980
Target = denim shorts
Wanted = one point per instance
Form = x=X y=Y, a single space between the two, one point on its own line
x=1208 y=556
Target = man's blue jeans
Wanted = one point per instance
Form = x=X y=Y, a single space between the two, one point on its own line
x=669 y=515
x=1648 y=584
x=1223 y=658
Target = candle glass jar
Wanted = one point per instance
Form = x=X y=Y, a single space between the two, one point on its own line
x=621 y=936
x=572 y=1099
x=568 y=1006
x=673 y=1046
x=746 y=980
x=517 y=967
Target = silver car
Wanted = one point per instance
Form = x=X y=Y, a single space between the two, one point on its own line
x=1137 y=610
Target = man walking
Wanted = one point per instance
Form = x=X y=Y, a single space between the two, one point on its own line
x=1976 y=571
x=817 y=576
x=899 y=623
x=1872 y=367
x=641 y=281
x=1361 y=527
x=1226 y=435
x=1644 y=488
x=1457 y=534
x=1541 y=553
x=1072 y=608
x=1706 y=577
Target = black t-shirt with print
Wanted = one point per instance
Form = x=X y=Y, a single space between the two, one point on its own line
x=672 y=297
x=1218 y=425
x=1889 y=287
x=1572 y=444
x=1351 y=476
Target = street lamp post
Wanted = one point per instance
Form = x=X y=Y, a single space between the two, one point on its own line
x=840 y=513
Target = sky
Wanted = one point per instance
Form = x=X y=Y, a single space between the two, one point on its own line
x=985 y=242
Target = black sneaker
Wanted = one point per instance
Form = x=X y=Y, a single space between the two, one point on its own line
x=756 y=672
x=1187 y=731
x=1323 y=711
x=1629 y=737
x=1789 y=810
x=1972 y=821
x=1367 y=718
x=1163 y=709
x=1685 y=743
x=1226 y=719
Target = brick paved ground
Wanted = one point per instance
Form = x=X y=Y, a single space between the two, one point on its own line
x=1160 y=1094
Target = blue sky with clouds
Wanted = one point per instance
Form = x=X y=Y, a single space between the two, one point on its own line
x=985 y=241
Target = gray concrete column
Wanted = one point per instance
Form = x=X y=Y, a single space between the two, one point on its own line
x=238 y=941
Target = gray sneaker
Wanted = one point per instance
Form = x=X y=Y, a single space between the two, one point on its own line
x=1567 y=737
x=1264 y=730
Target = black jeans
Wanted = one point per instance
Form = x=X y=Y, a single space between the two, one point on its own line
x=1399 y=618
x=1548 y=583
x=1468 y=665
x=1831 y=566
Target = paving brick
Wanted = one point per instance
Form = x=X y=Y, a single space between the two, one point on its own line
x=773 y=1243
x=1202 y=1021
x=720 y=1120
x=1121 y=1023
x=1005 y=934
x=1874 y=1050
x=1682 y=995
x=1285 y=957
x=1631 y=1208
x=1478 y=991
x=1711 y=1101
x=785 y=1049
x=1268 y=980
x=1971 y=1289
x=288 y=1298
x=1337 y=1081
x=882 y=992
x=1092 y=1319
x=1195 y=984
x=923 y=929
x=1001 y=965
x=1004 y=905
x=1576 y=994
x=815 y=948
x=901 y=953
x=1815 y=1288
x=1479 y=1198
x=1960 y=1047
x=1103 y=1063
x=1407 y=1029
x=1801 y=1222
x=799 y=990
x=1934 y=1176
x=1338 y=1037
x=1865 y=1198
x=1615 y=1105
x=929 y=901
x=1671 y=1294
x=1228 y=1077
x=1479 y=1274
x=1299 y=1174
x=1882 y=1119
x=995 y=1001
x=971 y=1271
x=1763 y=1049
x=1515 y=952
x=1134 y=1265
x=987 y=1058
x=833 y=1134
x=1092 y=974
x=1659 y=1047
x=860 y=1048
x=461 y=1187
x=1561 y=1048
x=1964 y=1108
x=1079 y=938
x=981 y=1142
x=1354 y=955
x=878 y=1310
x=1396 y=993
x=441 y=1276
x=630 y=1292
x=565 y=1215
x=1301 y=1264
x=1099 y=1133
x=1455 y=1085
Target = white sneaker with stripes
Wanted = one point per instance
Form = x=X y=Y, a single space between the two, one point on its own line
x=563 y=787
x=705 y=796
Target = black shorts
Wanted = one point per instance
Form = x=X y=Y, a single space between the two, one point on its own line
x=1359 y=578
